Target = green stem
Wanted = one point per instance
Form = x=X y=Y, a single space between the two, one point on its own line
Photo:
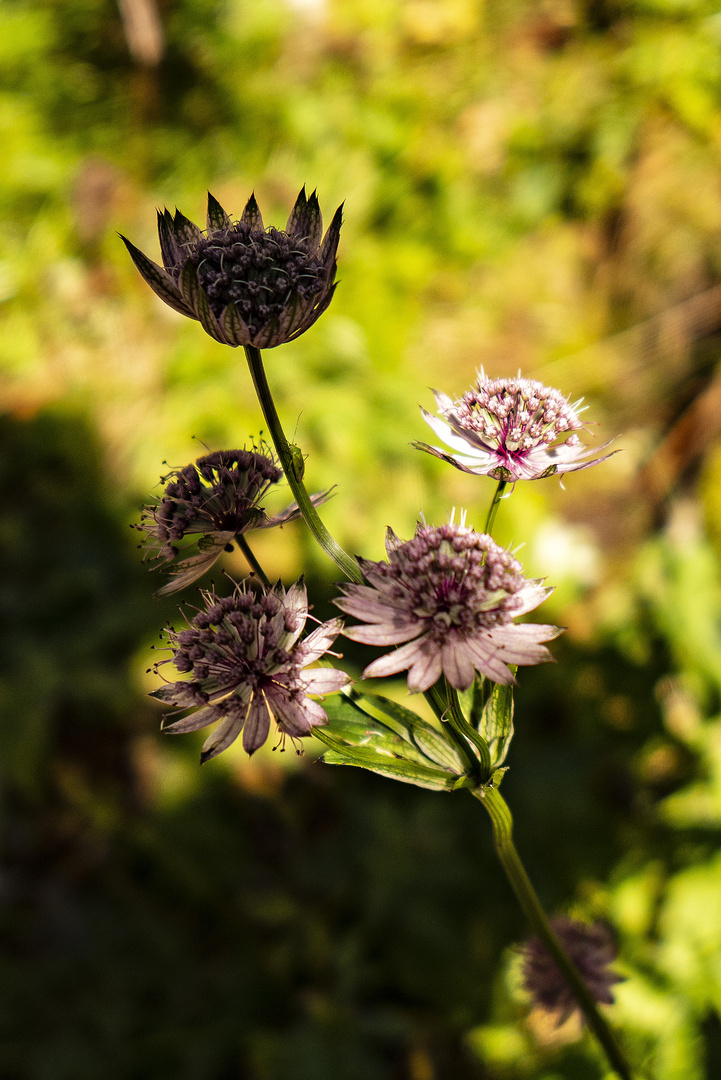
x=310 y=515
x=519 y=881
x=252 y=561
x=443 y=710
x=493 y=509
x=462 y=726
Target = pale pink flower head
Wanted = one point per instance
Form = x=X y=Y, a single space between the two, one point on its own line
x=448 y=597
x=591 y=947
x=510 y=429
x=246 y=664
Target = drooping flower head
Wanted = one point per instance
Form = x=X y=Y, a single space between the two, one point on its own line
x=246 y=666
x=592 y=949
x=246 y=284
x=510 y=429
x=207 y=504
x=451 y=595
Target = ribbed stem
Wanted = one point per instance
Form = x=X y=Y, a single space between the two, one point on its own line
x=493 y=509
x=463 y=728
x=252 y=561
x=443 y=711
x=519 y=881
x=310 y=515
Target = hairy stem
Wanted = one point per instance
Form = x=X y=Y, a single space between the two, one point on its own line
x=493 y=509
x=519 y=881
x=290 y=466
x=252 y=561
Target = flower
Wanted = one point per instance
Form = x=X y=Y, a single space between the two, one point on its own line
x=450 y=593
x=246 y=665
x=246 y=284
x=591 y=948
x=218 y=497
x=510 y=429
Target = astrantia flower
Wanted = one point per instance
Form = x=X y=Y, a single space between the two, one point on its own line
x=510 y=429
x=247 y=285
x=592 y=949
x=246 y=666
x=208 y=503
x=450 y=594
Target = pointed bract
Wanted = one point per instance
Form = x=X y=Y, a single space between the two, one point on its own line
x=216 y=216
x=158 y=280
x=252 y=216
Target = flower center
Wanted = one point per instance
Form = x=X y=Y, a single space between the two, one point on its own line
x=260 y=272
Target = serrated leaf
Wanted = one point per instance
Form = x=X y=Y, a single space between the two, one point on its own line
x=496 y=724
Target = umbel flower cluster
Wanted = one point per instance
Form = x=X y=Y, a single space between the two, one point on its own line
x=510 y=429
x=246 y=664
x=592 y=948
x=245 y=284
x=205 y=506
x=450 y=594
x=443 y=606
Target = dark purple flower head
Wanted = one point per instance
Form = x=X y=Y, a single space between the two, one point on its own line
x=451 y=594
x=246 y=284
x=246 y=667
x=510 y=429
x=592 y=949
x=207 y=504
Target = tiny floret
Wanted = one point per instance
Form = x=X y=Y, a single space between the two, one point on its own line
x=246 y=664
x=247 y=285
x=510 y=429
x=592 y=949
x=205 y=505
x=448 y=597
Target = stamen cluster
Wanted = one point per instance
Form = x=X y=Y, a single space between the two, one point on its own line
x=452 y=594
x=246 y=666
x=260 y=272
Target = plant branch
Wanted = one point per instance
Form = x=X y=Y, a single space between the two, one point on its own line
x=493 y=509
x=290 y=465
x=252 y=561
x=519 y=881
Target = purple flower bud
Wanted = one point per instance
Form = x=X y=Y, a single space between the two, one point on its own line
x=591 y=948
x=245 y=284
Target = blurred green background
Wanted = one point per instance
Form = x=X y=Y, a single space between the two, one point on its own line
x=527 y=185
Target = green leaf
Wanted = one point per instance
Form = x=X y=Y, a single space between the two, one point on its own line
x=401 y=739
x=405 y=771
x=496 y=725
x=435 y=746
x=393 y=715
